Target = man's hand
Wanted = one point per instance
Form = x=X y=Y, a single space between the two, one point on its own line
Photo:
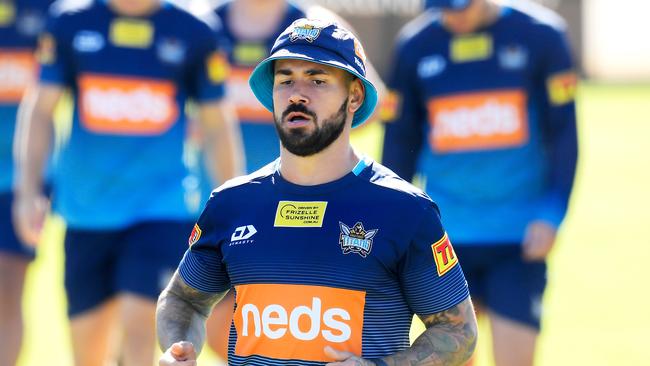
x=344 y=358
x=29 y=211
x=538 y=241
x=179 y=354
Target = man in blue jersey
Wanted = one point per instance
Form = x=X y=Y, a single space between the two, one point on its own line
x=250 y=28
x=130 y=65
x=20 y=24
x=329 y=253
x=486 y=118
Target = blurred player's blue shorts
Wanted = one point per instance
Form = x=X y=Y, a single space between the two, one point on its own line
x=138 y=260
x=502 y=281
x=9 y=243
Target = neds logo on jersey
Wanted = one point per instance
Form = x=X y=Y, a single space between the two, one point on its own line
x=17 y=71
x=249 y=109
x=129 y=106
x=477 y=121
x=285 y=321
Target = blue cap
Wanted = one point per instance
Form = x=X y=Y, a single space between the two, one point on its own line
x=447 y=4
x=321 y=42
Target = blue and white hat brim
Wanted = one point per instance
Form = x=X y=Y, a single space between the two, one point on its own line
x=261 y=80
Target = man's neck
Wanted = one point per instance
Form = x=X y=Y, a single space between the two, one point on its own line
x=255 y=19
x=491 y=13
x=134 y=9
x=333 y=163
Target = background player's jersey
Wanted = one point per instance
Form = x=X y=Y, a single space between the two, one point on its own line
x=257 y=126
x=20 y=24
x=488 y=119
x=345 y=263
x=130 y=77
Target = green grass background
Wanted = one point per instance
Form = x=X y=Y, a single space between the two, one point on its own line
x=597 y=303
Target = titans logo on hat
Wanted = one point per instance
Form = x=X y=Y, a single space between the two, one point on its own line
x=306 y=29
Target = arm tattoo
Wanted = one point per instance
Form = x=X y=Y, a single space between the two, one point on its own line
x=449 y=340
x=182 y=312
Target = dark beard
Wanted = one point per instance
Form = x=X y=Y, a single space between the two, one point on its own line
x=300 y=143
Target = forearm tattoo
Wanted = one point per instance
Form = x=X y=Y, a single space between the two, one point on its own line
x=449 y=340
x=182 y=312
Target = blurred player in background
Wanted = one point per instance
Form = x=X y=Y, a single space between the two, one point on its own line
x=131 y=65
x=250 y=27
x=310 y=289
x=486 y=116
x=20 y=24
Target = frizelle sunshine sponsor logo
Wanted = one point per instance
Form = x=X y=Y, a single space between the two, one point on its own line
x=300 y=214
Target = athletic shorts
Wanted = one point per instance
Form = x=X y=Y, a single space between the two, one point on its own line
x=9 y=242
x=499 y=279
x=139 y=260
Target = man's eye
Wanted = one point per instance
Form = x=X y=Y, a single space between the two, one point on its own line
x=319 y=82
x=285 y=82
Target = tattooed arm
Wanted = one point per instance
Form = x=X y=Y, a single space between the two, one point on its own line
x=182 y=312
x=449 y=340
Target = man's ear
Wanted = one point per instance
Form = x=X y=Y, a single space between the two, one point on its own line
x=357 y=95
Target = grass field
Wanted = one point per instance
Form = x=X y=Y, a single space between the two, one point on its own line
x=596 y=308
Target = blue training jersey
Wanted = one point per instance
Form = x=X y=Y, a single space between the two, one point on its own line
x=345 y=263
x=488 y=120
x=130 y=77
x=257 y=126
x=20 y=24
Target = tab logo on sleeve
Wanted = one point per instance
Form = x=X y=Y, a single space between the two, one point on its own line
x=131 y=33
x=300 y=214
x=17 y=72
x=562 y=87
x=195 y=235
x=478 y=121
x=444 y=255
x=295 y=322
x=475 y=47
x=218 y=68
x=128 y=106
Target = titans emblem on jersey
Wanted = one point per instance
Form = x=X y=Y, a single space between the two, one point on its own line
x=356 y=239
x=513 y=57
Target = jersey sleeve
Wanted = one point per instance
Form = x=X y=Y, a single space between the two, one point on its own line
x=561 y=141
x=201 y=266
x=52 y=52
x=402 y=114
x=210 y=68
x=431 y=276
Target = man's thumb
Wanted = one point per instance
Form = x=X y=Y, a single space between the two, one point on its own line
x=336 y=354
x=183 y=351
